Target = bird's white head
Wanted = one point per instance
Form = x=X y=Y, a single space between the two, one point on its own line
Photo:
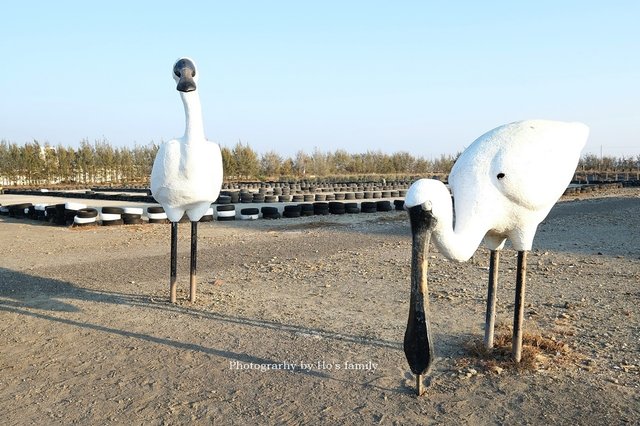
x=432 y=195
x=184 y=73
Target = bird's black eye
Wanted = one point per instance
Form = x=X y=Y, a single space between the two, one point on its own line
x=500 y=175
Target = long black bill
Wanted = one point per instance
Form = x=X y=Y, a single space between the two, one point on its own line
x=185 y=70
x=418 y=346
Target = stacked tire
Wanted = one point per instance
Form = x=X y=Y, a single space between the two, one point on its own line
x=71 y=210
x=383 y=206
x=320 y=208
x=41 y=211
x=31 y=212
x=19 y=211
x=336 y=207
x=223 y=199
x=250 y=213
x=270 y=212
x=132 y=216
x=368 y=207
x=156 y=214
x=306 y=210
x=111 y=216
x=399 y=204
x=85 y=217
x=226 y=212
x=246 y=197
x=292 y=210
x=351 y=208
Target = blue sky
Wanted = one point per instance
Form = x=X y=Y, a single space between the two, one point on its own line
x=419 y=76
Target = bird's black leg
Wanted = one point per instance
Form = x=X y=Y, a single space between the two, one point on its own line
x=518 y=314
x=174 y=261
x=194 y=260
x=490 y=319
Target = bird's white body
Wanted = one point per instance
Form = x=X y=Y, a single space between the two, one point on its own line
x=186 y=177
x=187 y=172
x=503 y=185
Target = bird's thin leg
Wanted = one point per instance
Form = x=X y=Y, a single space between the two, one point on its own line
x=174 y=261
x=518 y=314
x=194 y=260
x=490 y=319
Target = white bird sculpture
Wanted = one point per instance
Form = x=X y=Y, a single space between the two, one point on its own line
x=187 y=172
x=503 y=185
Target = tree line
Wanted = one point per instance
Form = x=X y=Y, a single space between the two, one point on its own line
x=36 y=163
x=242 y=162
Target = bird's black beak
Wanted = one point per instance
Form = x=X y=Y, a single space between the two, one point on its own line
x=185 y=70
x=418 y=346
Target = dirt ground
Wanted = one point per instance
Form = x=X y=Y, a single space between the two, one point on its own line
x=301 y=321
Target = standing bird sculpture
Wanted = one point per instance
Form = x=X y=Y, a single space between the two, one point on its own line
x=503 y=185
x=187 y=172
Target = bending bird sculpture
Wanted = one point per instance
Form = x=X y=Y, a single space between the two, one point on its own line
x=503 y=185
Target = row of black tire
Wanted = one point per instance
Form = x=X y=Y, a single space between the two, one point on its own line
x=311 y=209
x=315 y=186
x=61 y=214
x=227 y=197
x=261 y=197
x=592 y=188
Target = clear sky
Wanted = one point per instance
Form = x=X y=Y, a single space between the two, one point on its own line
x=426 y=77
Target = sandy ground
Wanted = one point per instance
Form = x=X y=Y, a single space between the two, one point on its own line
x=300 y=321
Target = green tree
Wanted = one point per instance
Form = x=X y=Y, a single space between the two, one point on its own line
x=143 y=157
x=32 y=159
x=246 y=160
x=86 y=161
x=104 y=160
x=50 y=170
x=126 y=165
x=287 y=168
x=270 y=164
x=229 y=165
x=300 y=163
x=444 y=163
x=317 y=163
x=341 y=162
x=402 y=162
x=66 y=164
x=11 y=162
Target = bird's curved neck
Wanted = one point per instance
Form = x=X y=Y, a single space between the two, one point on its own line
x=194 y=127
x=457 y=243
